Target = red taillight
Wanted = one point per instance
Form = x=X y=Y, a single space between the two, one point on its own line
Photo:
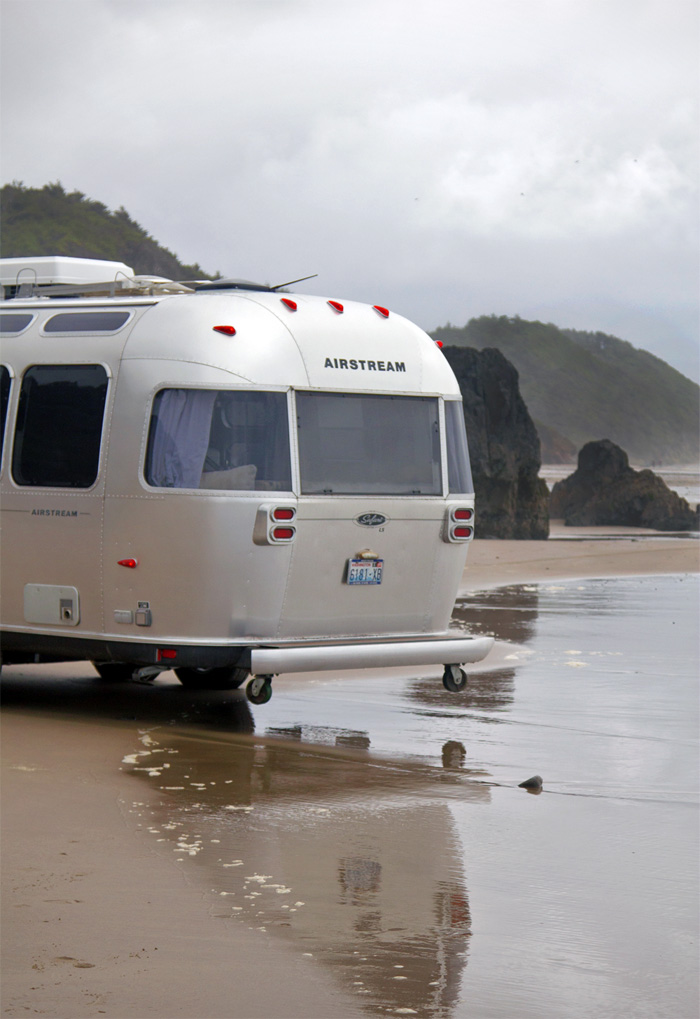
x=283 y=513
x=292 y=305
x=165 y=653
x=384 y=312
x=337 y=306
x=131 y=564
x=456 y=528
x=226 y=330
x=282 y=533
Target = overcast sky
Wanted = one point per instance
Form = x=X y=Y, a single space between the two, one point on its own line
x=447 y=159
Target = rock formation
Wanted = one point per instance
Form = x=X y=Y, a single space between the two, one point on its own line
x=605 y=490
x=504 y=448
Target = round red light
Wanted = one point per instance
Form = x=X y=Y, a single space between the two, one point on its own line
x=438 y=343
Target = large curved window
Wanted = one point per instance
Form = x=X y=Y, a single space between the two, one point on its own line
x=356 y=443
x=228 y=440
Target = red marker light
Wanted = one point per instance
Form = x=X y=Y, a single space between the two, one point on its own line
x=283 y=533
x=130 y=564
x=337 y=306
x=384 y=312
x=462 y=532
x=282 y=513
x=438 y=343
x=167 y=653
x=226 y=330
x=462 y=514
x=292 y=305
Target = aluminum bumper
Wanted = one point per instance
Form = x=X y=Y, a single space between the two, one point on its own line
x=269 y=661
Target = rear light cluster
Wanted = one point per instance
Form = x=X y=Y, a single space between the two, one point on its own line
x=459 y=524
x=282 y=529
x=275 y=525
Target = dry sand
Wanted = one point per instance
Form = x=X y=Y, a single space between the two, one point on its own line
x=579 y=552
x=94 y=922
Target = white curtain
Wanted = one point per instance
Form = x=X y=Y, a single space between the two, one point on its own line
x=180 y=443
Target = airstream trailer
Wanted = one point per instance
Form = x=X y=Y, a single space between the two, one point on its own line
x=226 y=480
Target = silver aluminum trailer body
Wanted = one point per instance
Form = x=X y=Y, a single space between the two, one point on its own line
x=228 y=481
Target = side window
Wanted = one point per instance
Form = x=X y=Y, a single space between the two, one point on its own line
x=228 y=440
x=4 y=400
x=458 y=468
x=59 y=425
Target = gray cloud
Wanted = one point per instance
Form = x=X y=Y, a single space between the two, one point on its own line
x=447 y=159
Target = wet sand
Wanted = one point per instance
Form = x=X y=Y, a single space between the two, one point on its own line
x=143 y=873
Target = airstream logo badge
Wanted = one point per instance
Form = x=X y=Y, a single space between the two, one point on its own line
x=371 y=519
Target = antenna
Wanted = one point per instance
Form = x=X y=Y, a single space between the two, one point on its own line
x=278 y=286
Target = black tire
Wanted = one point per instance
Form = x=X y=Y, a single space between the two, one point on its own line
x=114 y=672
x=225 y=678
x=454 y=679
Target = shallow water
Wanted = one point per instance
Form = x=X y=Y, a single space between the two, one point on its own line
x=376 y=824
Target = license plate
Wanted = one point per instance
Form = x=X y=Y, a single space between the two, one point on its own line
x=365 y=571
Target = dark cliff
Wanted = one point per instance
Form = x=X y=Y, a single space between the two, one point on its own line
x=511 y=500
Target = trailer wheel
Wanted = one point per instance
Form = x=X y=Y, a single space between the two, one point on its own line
x=454 y=679
x=225 y=678
x=114 y=672
x=259 y=690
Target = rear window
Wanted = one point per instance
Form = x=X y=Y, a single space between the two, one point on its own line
x=226 y=440
x=368 y=444
x=59 y=425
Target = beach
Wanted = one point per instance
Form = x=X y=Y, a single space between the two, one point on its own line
x=360 y=845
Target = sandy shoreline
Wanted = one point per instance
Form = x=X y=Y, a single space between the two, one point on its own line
x=96 y=922
x=578 y=552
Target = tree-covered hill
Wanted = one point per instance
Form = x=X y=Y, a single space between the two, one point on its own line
x=578 y=386
x=582 y=386
x=51 y=221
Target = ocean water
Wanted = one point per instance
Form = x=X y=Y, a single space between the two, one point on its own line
x=376 y=825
